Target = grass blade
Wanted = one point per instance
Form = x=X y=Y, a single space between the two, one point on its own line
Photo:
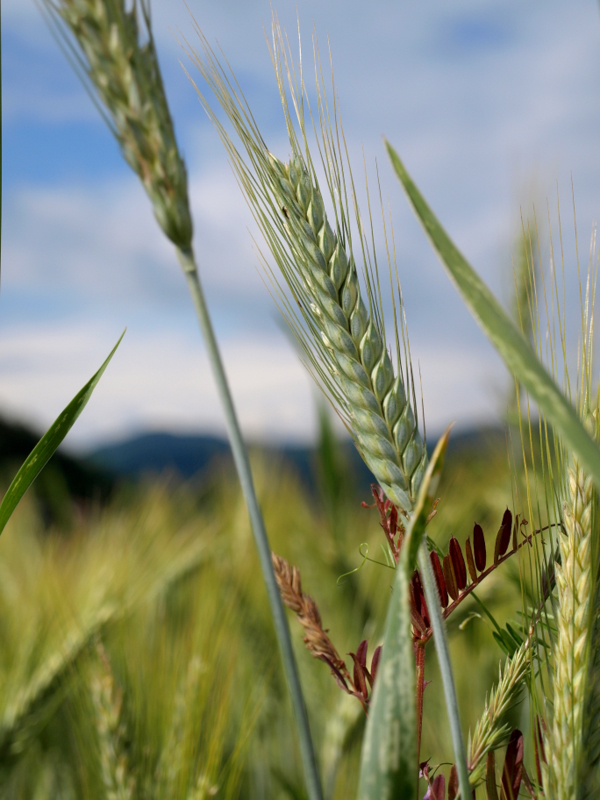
x=45 y=448
x=502 y=332
x=389 y=755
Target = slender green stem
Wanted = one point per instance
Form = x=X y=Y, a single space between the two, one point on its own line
x=240 y=457
x=441 y=648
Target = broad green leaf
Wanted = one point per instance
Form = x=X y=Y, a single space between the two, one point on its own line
x=389 y=766
x=502 y=332
x=49 y=442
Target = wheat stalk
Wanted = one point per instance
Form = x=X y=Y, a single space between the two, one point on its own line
x=340 y=326
x=571 y=655
x=489 y=734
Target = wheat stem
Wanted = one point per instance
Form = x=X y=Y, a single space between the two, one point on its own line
x=240 y=456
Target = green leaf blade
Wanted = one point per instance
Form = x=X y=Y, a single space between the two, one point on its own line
x=515 y=351
x=389 y=755
x=45 y=448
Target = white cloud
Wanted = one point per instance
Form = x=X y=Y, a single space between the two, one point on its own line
x=474 y=99
x=157 y=380
x=101 y=245
x=161 y=380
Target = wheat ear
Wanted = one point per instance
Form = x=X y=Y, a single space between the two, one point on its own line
x=122 y=73
x=171 y=763
x=374 y=398
x=489 y=733
x=589 y=771
x=107 y=700
x=574 y=582
x=338 y=325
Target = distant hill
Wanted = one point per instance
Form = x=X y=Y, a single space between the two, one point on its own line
x=190 y=455
x=81 y=477
x=93 y=477
x=63 y=480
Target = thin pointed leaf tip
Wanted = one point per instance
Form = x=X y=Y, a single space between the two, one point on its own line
x=110 y=44
x=515 y=351
x=337 y=318
x=48 y=444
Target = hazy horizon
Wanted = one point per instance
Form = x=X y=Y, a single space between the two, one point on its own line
x=490 y=108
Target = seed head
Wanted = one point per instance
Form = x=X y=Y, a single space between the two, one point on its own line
x=113 y=50
x=337 y=318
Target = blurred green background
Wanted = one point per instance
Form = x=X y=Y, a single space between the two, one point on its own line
x=138 y=658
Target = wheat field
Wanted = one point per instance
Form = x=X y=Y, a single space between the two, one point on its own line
x=147 y=651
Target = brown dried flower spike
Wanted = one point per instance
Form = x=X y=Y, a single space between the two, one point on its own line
x=305 y=608
x=316 y=639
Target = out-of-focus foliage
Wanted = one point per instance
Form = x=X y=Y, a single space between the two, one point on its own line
x=138 y=658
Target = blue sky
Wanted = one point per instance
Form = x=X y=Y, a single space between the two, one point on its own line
x=491 y=105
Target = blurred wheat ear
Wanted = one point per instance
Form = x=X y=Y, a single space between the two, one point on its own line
x=110 y=44
x=569 y=764
x=106 y=700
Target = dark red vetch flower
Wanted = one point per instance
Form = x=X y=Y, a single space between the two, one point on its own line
x=436 y=790
x=450 y=577
x=453 y=783
x=512 y=774
x=479 y=547
x=503 y=537
x=458 y=562
x=360 y=679
x=419 y=595
x=470 y=561
x=375 y=663
x=439 y=578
